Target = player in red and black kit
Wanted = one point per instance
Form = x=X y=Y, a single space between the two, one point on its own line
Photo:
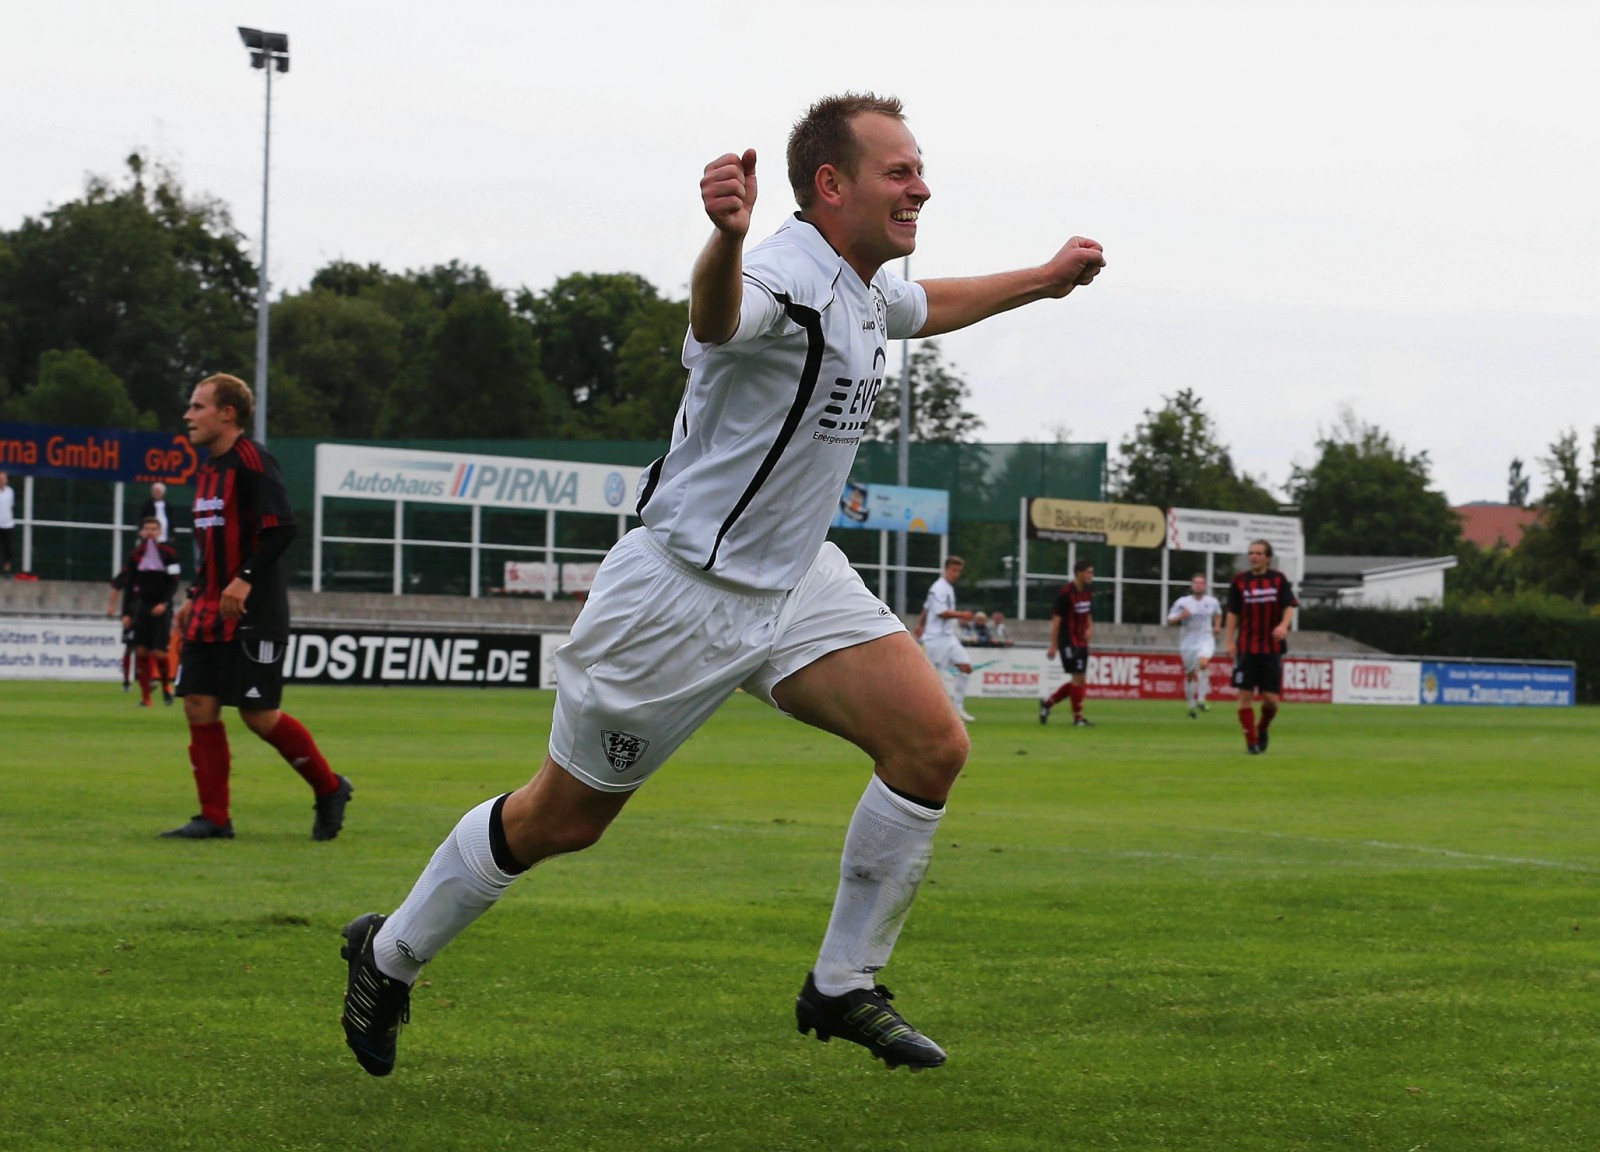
x=1073 y=614
x=148 y=582
x=1261 y=607
x=236 y=621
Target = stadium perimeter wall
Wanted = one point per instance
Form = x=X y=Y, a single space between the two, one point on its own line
x=60 y=630
x=1448 y=633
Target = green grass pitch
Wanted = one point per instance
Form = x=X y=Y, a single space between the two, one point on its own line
x=1380 y=935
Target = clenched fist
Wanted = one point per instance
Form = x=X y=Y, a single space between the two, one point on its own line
x=728 y=190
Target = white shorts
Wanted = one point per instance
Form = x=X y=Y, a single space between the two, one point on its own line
x=945 y=652
x=1194 y=653
x=660 y=645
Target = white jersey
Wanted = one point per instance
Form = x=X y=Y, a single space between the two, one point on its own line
x=8 y=504
x=941 y=598
x=1198 y=626
x=771 y=420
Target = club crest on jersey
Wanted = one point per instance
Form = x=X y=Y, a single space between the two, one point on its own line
x=623 y=749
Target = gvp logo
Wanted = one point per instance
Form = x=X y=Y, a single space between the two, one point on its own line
x=174 y=465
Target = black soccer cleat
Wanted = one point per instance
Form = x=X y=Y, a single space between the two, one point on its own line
x=1261 y=739
x=1081 y=722
x=166 y=697
x=374 y=1005
x=863 y=1016
x=1253 y=749
x=330 y=811
x=199 y=828
x=1044 y=711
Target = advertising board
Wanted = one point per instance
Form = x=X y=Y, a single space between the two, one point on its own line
x=1501 y=685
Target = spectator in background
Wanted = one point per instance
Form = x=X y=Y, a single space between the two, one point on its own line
x=148 y=582
x=158 y=509
x=997 y=631
x=8 y=521
x=980 y=630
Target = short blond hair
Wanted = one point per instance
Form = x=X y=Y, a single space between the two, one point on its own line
x=232 y=392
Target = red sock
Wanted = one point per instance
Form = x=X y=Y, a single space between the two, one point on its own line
x=208 y=752
x=1060 y=694
x=141 y=667
x=1268 y=711
x=158 y=666
x=1079 y=691
x=1247 y=721
x=295 y=745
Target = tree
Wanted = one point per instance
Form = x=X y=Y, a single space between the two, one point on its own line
x=1366 y=496
x=149 y=281
x=611 y=344
x=76 y=389
x=1563 y=547
x=334 y=357
x=939 y=397
x=1517 y=484
x=1175 y=459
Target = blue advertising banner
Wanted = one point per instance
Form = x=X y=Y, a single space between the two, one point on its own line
x=96 y=454
x=1504 y=685
x=890 y=508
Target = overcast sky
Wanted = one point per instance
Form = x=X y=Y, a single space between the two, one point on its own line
x=1391 y=206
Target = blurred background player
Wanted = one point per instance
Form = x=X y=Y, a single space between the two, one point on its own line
x=941 y=641
x=1261 y=606
x=236 y=621
x=1199 y=619
x=997 y=631
x=1071 y=630
x=158 y=507
x=148 y=582
x=8 y=521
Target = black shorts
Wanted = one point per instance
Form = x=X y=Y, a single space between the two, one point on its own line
x=1261 y=672
x=150 y=630
x=1075 y=661
x=242 y=673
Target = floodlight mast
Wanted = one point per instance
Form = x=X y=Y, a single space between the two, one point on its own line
x=269 y=51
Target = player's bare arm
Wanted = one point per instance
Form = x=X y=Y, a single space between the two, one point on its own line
x=1281 y=632
x=728 y=191
x=233 y=598
x=1055 y=638
x=956 y=303
x=1227 y=634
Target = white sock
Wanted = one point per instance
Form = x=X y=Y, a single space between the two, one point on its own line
x=1188 y=691
x=959 y=696
x=460 y=883
x=1200 y=685
x=886 y=853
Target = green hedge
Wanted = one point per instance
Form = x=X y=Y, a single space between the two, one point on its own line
x=1451 y=632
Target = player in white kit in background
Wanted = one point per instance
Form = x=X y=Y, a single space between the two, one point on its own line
x=940 y=640
x=1199 y=618
x=731 y=583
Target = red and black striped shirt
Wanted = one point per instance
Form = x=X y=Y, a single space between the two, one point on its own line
x=238 y=494
x=1075 y=606
x=1258 y=604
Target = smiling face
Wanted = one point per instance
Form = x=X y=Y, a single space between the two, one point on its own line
x=871 y=216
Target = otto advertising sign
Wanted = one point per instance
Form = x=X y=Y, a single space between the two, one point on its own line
x=463 y=478
x=1376 y=681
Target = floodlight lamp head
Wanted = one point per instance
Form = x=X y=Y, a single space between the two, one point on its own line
x=283 y=63
x=252 y=37
x=258 y=59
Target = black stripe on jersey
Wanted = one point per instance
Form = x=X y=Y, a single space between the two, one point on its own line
x=650 y=485
x=811 y=320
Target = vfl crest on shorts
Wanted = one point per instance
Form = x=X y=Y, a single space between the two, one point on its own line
x=623 y=749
